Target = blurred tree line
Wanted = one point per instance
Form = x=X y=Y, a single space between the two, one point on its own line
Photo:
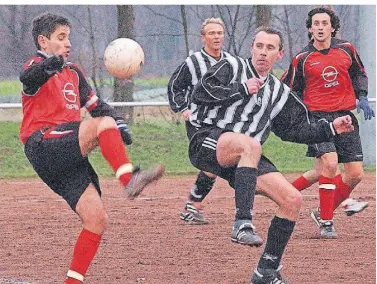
x=167 y=33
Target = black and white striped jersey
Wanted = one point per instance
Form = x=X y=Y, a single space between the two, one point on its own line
x=186 y=76
x=223 y=101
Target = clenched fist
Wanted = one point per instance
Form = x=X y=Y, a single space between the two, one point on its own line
x=343 y=124
x=253 y=85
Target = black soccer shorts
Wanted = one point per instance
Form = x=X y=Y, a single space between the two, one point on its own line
x=202 y=154
x=346 y=145
x=56 y=157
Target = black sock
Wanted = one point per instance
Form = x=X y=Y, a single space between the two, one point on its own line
x=244 y=185
x=202 y=187
x=278 y=236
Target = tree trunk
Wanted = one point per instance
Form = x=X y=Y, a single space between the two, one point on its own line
x=289 y=34
x=94 y=54
x=184 y=24
x=263 y=15
x=123 y=89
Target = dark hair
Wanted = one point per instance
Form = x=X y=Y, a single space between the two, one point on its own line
x=45 y=24
x=269 y=30
x=334 y=19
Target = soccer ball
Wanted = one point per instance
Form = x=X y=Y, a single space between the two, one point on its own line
x=123 y=58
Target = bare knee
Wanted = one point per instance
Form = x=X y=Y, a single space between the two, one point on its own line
x=330 y=164
x=92 y=212
x=354 y=178
x=96 y=221
x=104 y=123
x=292 y=202
x=250 y=147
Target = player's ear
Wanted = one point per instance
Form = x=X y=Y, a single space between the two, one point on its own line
x=281 y=54
x=202 y=38
x=42 y=41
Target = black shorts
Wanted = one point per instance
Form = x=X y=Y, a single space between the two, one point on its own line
x=346 y=145
x=56 y=157
x=190 y=129
x=202 y=154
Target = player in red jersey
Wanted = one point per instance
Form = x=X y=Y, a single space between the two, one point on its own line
x=330 y=76
x=57 y=143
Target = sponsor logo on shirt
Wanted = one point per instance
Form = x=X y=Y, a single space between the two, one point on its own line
x=329 y=75
x=70 y=96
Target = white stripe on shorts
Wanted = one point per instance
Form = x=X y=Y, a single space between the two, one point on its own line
x=61 y=132
x=209 y=143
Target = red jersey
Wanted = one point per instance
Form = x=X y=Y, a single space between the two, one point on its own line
x=52 y=99
x=328 y=80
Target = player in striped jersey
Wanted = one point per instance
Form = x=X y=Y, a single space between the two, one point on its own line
x=239 y=103
x=57 y=143
x=330 y=76
x=180 y=87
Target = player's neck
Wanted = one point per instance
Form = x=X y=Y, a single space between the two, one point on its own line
x=322 y=45
x=215 y=53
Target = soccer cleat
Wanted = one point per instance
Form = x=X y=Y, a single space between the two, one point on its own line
x=243 y=233
x=141 y=178
x=268 y=276
x=352 y=206
x=192 y=214
x=326 y=227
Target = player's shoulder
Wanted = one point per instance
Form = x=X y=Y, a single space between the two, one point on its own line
x=305 y=52
x=341 y=43
x=74 y=66
x=33 y=60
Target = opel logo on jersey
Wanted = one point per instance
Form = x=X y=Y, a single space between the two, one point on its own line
x=69 y=93
x=329 y=74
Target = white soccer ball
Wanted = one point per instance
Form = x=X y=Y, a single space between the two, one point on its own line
x=123 y=58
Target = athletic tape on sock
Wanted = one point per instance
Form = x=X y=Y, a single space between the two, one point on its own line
x=327 y=186
x=75 y=275
x=126 y=168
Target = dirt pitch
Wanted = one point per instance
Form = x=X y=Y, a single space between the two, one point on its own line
x=148 y=243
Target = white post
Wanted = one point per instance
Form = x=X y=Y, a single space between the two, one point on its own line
x=367 y=30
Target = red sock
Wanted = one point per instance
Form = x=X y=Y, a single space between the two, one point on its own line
x=83 y=254
x=301 y=183
x=342 y=191
x=113 y=150
x=326 y=197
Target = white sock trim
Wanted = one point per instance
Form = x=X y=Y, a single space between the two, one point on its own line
x=327 y=186
x=75 y=275
x=126 y=168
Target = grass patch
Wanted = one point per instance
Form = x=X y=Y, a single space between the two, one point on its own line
x=154 y=142
x=10 y=87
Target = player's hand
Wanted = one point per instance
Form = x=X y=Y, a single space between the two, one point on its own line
x=53 y=64
x=343 y=124
x=253 y=85
x=364 y=105
x=124 y=131
x=185 y=115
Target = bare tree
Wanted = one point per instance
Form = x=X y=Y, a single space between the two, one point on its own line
x=263 y=15
x=123 y=89
x=94 y=53
x=184 y=24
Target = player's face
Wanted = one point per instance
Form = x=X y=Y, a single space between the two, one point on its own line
x=321 y=28
x=265 y=52
x=213 y=38
x=58 y=43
